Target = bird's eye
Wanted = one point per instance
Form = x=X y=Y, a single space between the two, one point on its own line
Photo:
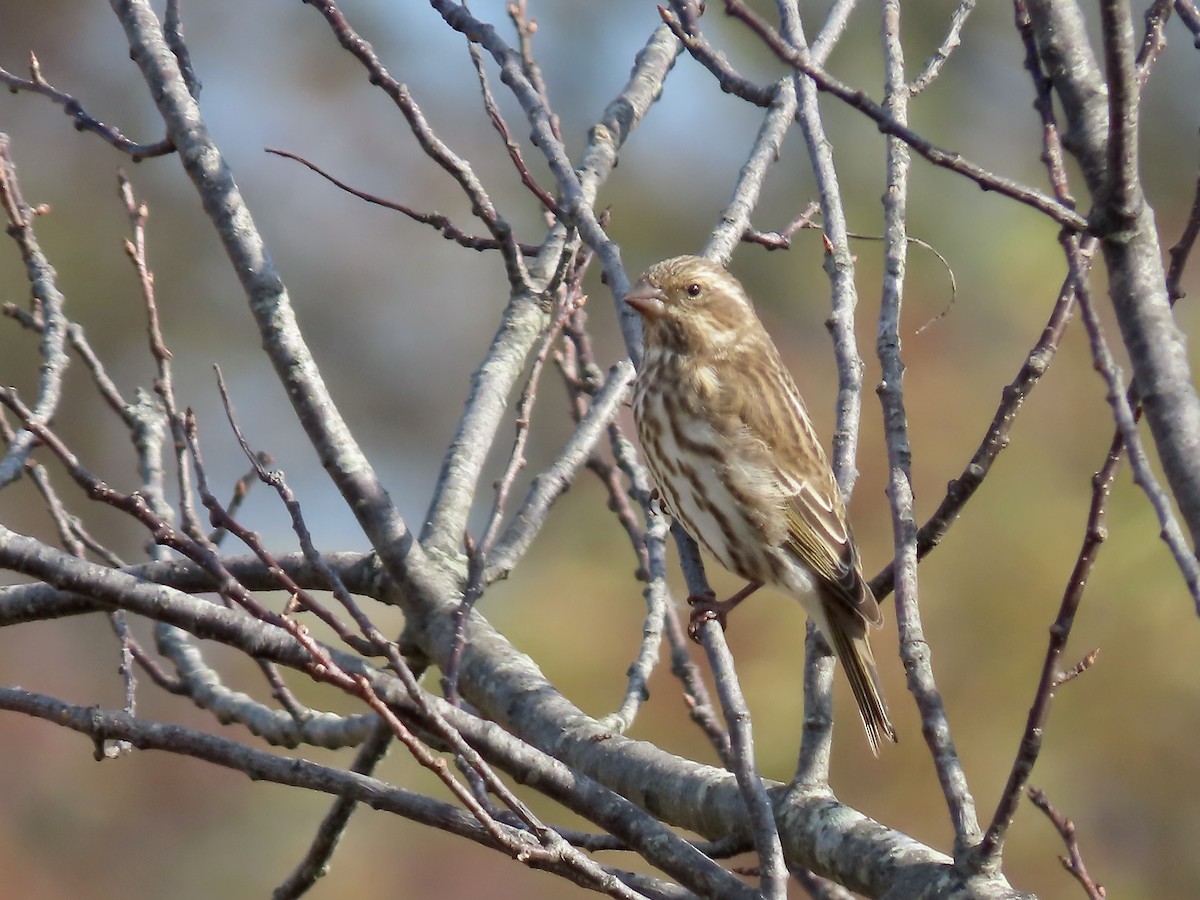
x=693 y=290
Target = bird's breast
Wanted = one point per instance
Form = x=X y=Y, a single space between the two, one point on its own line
x=707 y=481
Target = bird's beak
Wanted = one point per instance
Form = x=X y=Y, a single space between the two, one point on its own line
x=647 y=300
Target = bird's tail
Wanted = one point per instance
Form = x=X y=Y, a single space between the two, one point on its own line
x=854 y=652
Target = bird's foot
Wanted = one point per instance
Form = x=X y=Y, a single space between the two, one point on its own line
x=706 y=608
x=656 y=505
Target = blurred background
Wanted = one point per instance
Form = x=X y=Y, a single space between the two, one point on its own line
x=399 y=318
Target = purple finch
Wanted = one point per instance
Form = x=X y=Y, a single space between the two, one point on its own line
x=738 y=464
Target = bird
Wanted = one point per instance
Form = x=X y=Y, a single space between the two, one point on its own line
x=738 y=464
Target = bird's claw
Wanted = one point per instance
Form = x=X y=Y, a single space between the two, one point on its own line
x=705 y=608
x=655 y=504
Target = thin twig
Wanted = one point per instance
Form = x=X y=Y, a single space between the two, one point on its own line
x=526 y=29
x=37 y=84
x=1190 y=17
x=914 y=649
x=404 y=561
x=996 y=439
x=1182 y=249
x=283 y=694
x=961 y=489
x=1143 y=474
x=581 y=376
x=164 y=534
x=316 y=860
x=832 y=30
x=1154 y=39
x=241 y=489
x=134 y=505
x=433 y=146
x=577 y=187
x=164 y=383
x=371 y=642
x=440 y=223
x=1078 y=255
x=103 y=726
x=782 y=239
x=658 y=602
x=554 y=480
x=173 y=31
x=514 y=150
x=820 y=888
x=812 y=763
x=76 y=337
x=681 y=19
x=950 y=43
x=992 y=845
x=578 y=183
x=945 y=159
x=47 y=310
x=1073 y=862
x=768 y=144
x=478 y=552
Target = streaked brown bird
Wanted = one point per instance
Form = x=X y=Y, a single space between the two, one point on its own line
x=738 y=464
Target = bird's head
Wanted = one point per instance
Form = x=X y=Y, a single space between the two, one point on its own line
x=694 y=306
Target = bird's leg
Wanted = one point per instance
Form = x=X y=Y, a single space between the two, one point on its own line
x=706 y=607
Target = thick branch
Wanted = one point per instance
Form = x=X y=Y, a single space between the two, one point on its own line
x=270 y=304
x=818 y=832
x=1126 y=226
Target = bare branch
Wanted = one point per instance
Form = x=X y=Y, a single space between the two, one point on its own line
x=1138 y=462
x=1182 y=249
x=772 y=869
x=550 y=484
x=933 y=65
x=888 y=125
x=735 y=218
x=46 y=311
x=1051 y=678
x=511 y=146
x=526 y=29
x=960 y=490
x=495 y=720
x=1125 y=223
x=914 y=649
x=816 y=741
x=495 y=378
x=839 y=261
x=83 y=122
x=681 y=19
x=577 y=192
x=435 y=148
x=1073 y=863
x=524 y=702
x=442 y=224
x=333 y=826
x=1191 y=18
x=269 y=302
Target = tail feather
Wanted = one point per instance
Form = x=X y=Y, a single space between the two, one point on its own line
x=854 y=652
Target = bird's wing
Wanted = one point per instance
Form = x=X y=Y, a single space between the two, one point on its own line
x=816 y=530
x=818 y=535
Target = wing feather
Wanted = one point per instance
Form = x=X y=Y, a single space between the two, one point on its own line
x=816 y=530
